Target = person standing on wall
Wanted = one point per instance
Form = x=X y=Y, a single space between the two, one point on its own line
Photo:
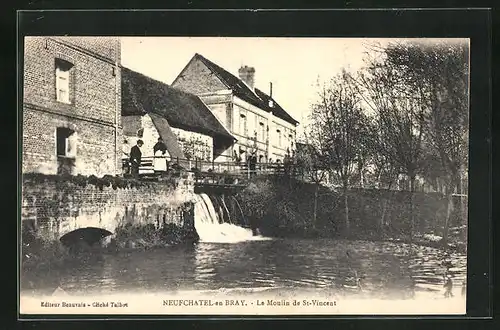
x=160 y=159
x=253 y=164
x=135 y=158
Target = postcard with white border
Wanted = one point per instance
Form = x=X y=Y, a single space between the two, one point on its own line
x=244 y=175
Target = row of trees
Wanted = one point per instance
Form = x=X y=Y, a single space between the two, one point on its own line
x=405 y=112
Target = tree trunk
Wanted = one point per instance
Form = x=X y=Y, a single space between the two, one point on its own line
x=412 y=190
x=382 y=219
x=346 y=211
x=384 y=209
x=315 y=211
x=449 y=210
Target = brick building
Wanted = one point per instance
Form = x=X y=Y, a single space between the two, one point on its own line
x=71 y=105
x=258 y=122
x=151 y=109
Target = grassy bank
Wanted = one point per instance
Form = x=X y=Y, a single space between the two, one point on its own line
x=283 y=207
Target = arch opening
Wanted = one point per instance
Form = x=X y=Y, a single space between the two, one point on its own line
x=84 y=237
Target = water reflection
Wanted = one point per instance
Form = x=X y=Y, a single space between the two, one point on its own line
x=364 y=268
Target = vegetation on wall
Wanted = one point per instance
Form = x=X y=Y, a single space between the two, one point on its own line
x=195 y=147
x=82 y=180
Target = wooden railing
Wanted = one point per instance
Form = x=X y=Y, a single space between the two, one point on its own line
x=212 y=171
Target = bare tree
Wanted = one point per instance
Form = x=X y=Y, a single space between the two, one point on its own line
x=339 y=130
x=399 y=116
x=310 y=160
x=440 y=72
x=384 y=169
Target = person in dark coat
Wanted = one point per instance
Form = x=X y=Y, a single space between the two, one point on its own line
x=253 y=164
x=135 y=158
x=160 y=145
x=448 y=287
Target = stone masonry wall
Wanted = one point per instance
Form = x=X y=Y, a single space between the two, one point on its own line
x=53 y=207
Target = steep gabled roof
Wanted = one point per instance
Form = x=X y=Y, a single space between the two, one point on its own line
x=241 y=90
x=142 y=94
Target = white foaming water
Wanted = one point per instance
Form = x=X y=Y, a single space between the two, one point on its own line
x=211 y=230
x=214 y=219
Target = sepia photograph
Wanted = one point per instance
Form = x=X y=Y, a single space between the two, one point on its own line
x=244 y=175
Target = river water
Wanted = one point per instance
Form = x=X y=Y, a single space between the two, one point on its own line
x=230 y=261
x=384 y=269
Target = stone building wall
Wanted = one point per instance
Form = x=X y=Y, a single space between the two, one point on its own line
x=91 y=115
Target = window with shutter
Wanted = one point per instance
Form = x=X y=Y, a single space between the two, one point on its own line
x=63 y=82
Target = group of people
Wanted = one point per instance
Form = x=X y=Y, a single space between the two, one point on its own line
x=161 y=163
x=160 y=159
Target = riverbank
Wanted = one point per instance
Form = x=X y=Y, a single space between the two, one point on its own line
x=283 y=207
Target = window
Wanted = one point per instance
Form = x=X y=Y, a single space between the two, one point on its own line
x=278 y=133
x=65 y=142
x=63 y=77
x=262 y=128
x=243 y=125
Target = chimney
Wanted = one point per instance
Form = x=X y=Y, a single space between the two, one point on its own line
x=271 y=103
x=247 y=74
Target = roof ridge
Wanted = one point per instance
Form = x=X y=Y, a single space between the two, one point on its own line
x=218 y=71
x=146 y=76
x=148 y=95
x=209 y=64
x=204 y=59
x=180 y=91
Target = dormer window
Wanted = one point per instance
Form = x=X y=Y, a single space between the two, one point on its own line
x=63 y=77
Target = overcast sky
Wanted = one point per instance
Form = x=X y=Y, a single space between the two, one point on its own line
x=293 y=65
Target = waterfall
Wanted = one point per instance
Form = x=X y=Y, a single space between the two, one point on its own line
x=217 y=205
x=243 y=218
x=225 y=208
x=212 y=229
x=210 y=208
